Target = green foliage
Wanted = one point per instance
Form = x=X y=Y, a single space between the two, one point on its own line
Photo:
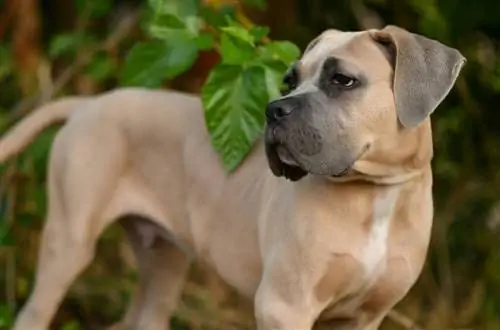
x=234 y=111
x=237 y=90
x=94 y=8
x=461 y=276
x=6 y=317
x=5 y=62
x=68 y=44
x=149 y=63
x=100 y=68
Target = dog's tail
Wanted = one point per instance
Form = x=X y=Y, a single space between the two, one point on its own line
x=24 y=132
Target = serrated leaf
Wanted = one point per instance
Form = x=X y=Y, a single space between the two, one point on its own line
x=259 y=32
x=234 y=99
x=148 y=64
x=274 y=71
x=282 y=50
x=235 y=51
x=239 y=33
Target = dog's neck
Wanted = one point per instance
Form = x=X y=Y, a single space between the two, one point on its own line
x=393 y=161
x=381 y=179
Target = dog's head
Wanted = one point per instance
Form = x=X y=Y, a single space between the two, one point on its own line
x=354 y=97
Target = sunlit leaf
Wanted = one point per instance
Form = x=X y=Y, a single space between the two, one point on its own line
x=235 y=51
x=274 y=72
x=259 y=32
x=234 y=98
x=283 y=50
x=239 y=33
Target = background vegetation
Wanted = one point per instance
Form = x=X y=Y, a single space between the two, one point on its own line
x=50 y=48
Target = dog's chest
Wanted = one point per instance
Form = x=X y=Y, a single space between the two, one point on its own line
x=372 y=256
x=374 y=251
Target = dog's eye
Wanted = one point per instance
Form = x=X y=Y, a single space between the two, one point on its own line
x=290 y=81
x=343 y=80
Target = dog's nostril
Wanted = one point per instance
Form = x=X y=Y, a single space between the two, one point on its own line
x=277 y=110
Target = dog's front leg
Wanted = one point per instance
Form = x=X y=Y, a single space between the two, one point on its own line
x=285 y=297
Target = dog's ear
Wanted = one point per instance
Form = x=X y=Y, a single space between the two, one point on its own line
x=425 y=70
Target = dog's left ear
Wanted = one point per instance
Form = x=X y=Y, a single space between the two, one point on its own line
x=424 y=72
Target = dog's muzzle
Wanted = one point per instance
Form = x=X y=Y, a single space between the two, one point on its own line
x=279 y=109
x=280 y=159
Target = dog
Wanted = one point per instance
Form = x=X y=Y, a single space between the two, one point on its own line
x=325 y=224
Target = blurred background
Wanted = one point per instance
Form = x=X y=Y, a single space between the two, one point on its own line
x=50 y=48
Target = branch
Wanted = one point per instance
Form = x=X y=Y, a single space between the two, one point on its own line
x=120 y=32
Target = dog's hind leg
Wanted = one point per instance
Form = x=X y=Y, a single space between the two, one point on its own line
x=82 y=178
x=162 y=270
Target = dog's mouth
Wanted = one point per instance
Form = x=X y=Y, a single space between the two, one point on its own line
x=348 y=169
x=283 y=163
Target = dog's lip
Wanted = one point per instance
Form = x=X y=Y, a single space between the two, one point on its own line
x=285 y=155
x=348 y=168
x=342 y=173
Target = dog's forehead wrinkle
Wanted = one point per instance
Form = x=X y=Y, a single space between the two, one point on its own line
x=332 y=45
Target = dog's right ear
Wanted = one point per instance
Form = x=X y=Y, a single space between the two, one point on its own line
x=425 y=70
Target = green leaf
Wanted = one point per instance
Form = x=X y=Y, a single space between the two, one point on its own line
x=274 y=71
x=68 y=43
x=168 y=26
x=148 y=64
x=259 y=32
x=205 y=41
x=283 y=50
x=96 y=8
x=193 y=25
x=234 y=99
x=178 y=8
x=239 y=33
x=170 y=21
x=100 y=68
x=235 y=51
x=217 y=18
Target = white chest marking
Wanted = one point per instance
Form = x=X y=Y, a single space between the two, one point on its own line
x=375 y=250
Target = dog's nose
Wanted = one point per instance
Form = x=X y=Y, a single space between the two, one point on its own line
x=279 y=109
